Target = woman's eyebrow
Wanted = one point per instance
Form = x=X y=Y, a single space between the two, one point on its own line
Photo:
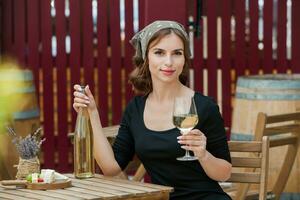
x=164 y=49
x=178 y=50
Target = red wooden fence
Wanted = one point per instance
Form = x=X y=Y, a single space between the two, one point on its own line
x=101 y=57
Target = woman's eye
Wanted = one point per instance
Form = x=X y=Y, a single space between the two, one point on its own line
x=158 y=52
x=178 y=53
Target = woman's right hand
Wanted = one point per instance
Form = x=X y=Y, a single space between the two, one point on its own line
x=83 y=100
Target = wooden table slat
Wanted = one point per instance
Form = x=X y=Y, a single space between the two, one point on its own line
x=4 y=195
x=149 y=185
x=54 y=195
x=9 y=196
x=93 y=192
x=143 y=186
x=27 y=194
x=133 y=188
x=75 y=194
x=106 y=192
x=109 y=187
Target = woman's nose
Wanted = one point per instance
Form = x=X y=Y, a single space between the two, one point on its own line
x=168 y=60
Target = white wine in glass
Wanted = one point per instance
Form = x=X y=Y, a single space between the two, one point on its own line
x=185 y=118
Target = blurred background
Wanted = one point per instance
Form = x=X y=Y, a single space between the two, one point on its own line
x=57 y=43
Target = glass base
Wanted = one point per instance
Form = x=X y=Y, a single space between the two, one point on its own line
x=187 y=158
x=84 y=175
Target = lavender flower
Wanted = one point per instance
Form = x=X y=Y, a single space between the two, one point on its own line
x=29 y=146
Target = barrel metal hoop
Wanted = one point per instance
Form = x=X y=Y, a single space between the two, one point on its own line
x=15 y=75
x=279 y=81
x=285 y=97
x=24 y=90
x=33 y=113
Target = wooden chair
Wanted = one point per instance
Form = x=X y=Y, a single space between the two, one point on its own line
x=284 y=130
x=251 y=155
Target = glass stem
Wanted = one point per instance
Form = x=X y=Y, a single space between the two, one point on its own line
x=187 y=153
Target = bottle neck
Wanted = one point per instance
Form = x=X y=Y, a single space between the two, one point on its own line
x=83 y=111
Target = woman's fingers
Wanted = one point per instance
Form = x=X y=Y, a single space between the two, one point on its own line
x=80 y=99
x=193 y=148
x=76 y=106
x=192 y=142
x=194 y=138
x=88 y=91
x=80 y=95
x=77 y=87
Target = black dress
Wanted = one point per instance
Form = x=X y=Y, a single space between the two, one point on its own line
x=158 y=150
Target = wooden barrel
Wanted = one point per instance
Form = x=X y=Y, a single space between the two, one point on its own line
x=271 y=94
x=24 y=117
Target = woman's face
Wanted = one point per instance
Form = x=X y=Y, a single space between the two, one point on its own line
x=166 y=58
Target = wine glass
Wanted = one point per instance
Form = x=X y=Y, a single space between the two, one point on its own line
x=185 y=118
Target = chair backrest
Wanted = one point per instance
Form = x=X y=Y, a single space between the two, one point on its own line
x=283 y=130
x=251 y=155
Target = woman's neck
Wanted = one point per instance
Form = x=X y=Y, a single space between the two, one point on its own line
x=166 y=92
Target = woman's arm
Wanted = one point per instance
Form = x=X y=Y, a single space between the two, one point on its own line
x=211 y=148
x=216 y=168
x=102 y=149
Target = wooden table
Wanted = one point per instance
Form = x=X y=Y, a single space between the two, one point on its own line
x=99 y=187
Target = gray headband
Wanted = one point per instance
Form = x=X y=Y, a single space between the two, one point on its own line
x=141 y=39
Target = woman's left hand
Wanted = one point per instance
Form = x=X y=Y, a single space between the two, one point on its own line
x=194 y=141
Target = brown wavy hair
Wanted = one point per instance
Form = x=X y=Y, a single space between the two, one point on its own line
x=140 y=77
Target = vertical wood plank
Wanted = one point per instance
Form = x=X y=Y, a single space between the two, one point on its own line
x=212 y=47
x=75 y=54
x=115 y=62
x=281 y=37
x=46 y=33
x=142 y=9
x=198 y=54
x=129 y=50
x=7 y=26
x=295 y=36
x=88 y=60
x=19 y=28
x=33 y=25
x=177 y=11
x=102 y=60
x=225 y=62
x=253 y=44
x=240 y=47
x=268 y=23
x=61 y=64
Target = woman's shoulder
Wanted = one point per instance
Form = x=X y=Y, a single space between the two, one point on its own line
x=206 y=106
x=203 y=99
x=136 y=102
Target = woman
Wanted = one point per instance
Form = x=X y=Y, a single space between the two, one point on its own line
x=162 y=61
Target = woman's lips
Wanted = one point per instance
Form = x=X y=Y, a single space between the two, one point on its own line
x=167 y=72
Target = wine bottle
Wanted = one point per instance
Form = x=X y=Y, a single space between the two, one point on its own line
x=84 y=166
